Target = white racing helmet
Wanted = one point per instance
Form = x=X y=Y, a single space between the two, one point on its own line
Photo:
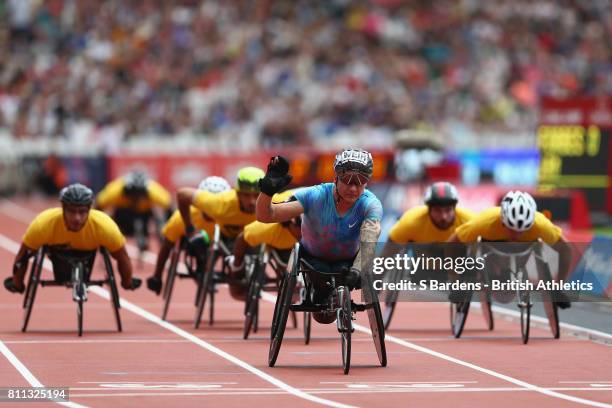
x=518 y=211
x=214 y=184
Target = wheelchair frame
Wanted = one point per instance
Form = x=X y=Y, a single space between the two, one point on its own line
x=341 y=304
x=81 y=269
x=520 y=274
x=259 y=281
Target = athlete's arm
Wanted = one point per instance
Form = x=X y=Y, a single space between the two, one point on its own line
x=240 y=248
x=124 y=265
x=269 y=212
x=21 y=265
x=184 y=197
x=369 y=233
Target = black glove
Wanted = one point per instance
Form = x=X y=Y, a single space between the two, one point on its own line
x=277 y=176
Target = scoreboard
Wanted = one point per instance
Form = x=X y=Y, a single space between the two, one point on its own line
x=575 y=148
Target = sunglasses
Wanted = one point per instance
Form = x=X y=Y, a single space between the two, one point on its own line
x=353 y=179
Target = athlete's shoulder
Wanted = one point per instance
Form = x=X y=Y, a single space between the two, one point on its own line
x=100 y=217
x=48 y=215
x=464 y=215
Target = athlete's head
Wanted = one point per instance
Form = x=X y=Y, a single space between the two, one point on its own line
x=518 y=211
x=135 y=184
x=247 y=186
x=76 y=202
x=214 y=184
x=441 y=199
x=353 y=170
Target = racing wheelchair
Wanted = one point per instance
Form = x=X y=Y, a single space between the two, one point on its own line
x=260 y=282
x=515 y=266
x=338 y=303
x=72 y=269
x=193 y=269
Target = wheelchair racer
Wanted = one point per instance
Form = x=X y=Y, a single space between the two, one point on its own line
x=174 y=230
x=517 y=220
x=280 y=236
x=73 y=226
x=231 y=210
x=133 y=198
x=337 y=218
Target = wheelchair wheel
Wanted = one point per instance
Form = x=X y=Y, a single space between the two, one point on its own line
x=553 y=318
x=345 y=326
x=28 y=302
x=550 y=308
x=167 y=295
x=458 y=315
x=251 y=304
x=307 y=326
x=376 y=321
x=112 y=283
x=206 y=288
x=281 y=314
x=487 y=313
x=391 y=301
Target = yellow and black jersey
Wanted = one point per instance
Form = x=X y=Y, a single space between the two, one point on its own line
x=415 y=225
x=175 y=227
x=112 y=195
x=488 y=225
x=48 y=228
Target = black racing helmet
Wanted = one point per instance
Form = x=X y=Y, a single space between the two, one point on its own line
x=441 y=193
x=76 y=194
x=135 y=184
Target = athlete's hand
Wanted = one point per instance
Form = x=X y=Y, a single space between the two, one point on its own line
x=277 y=176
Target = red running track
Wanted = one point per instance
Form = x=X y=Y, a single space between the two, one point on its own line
x=152 y=363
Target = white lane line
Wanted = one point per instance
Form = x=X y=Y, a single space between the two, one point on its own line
x=12 y=246
x=84 y=341
x=504 y=377
x=272 y=299
x=27 y=374
x=221 y=353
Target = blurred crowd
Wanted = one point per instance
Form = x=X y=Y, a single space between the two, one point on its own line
x=287 y=72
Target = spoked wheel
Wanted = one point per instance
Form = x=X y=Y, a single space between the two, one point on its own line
x=525 y=307
x=251 y=304
x=487 y=313
x=28 y=302
x=550 y=307
x=307 y=326
x=458 y=315
x=391 y=301
x=206 y=288
x=552 y=312
x=375 y=319
x=281 y=314
x=345 y=326
x=167 y=293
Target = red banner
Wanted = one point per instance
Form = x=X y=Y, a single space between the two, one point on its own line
x=174 y=171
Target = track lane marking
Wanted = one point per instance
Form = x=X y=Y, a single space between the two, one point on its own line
x=272 y=299
x=12 y=246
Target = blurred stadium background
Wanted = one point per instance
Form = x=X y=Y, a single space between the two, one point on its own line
x=491 y=95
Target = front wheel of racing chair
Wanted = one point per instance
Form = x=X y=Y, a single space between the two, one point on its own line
x=344 y=322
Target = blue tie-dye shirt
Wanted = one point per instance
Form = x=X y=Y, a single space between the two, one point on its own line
x=325 y=234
